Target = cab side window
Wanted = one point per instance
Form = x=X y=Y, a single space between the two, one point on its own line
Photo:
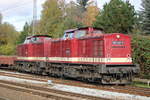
x=68 y=35
x=80 y=33
x=35 y=40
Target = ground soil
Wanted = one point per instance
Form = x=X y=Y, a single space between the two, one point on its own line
x=8 y=94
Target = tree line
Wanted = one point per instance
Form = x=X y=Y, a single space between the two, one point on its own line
x=8 y=37
x=115 y=16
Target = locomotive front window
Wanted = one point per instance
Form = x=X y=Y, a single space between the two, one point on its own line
x=80 y=33
x=118 y=42
x=33 y=39
x=68 y=35
x=71 y=35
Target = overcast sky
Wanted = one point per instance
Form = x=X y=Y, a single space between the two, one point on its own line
x=17 y=12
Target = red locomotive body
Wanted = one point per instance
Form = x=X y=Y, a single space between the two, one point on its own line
x=83 y=53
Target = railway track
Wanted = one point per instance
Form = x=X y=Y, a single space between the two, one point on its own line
x=122 y=89
x=134 y=90
x=46 y=92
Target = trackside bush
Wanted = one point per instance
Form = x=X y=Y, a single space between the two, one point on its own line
x=8 y=49
x=141 y=54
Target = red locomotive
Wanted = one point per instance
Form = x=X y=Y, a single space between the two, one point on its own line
x=82 y=53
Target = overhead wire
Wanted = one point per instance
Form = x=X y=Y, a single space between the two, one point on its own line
x=13 y=9
x=7 y=10
x=18 y=5
x=29 y=18
x=14 y=6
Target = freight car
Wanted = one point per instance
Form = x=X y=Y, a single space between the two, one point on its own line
x=6 y=61
x=83 y=53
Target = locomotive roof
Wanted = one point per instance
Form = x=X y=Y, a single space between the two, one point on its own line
x=90 y=27
x=72 y=30
x=39 y=36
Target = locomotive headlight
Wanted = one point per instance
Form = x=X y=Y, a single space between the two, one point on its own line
x=118 y=36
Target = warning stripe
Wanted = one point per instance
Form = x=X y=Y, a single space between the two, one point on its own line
x=78 y=59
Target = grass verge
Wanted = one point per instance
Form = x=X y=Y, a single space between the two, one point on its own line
x=140 y=84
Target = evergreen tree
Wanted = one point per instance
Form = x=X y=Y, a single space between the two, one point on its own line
x=146 y=16
x=116 y=16
x=26 y=31
x=82 y=4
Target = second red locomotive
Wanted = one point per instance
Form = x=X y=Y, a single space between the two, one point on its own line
x=83 y=53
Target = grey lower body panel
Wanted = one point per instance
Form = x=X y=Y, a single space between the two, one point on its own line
x=121 y=74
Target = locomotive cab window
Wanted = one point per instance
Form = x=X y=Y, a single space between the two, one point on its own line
x=35 y=40
x=80 y=33
x=68 y=35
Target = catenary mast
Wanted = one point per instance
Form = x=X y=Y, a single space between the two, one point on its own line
x=34 y=16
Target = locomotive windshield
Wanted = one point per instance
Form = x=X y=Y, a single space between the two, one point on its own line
x=36 y=39
x=31 y=40
x=80 y=33
x=68 y=35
